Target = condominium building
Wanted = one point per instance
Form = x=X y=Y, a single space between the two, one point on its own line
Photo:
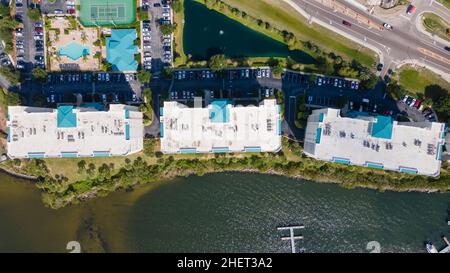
x=74 y=132
x=375 y=141
x=220 y=127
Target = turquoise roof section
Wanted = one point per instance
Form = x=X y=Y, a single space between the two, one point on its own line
x=161 y=129
x=220 y=150
x=321 y=115
x=100 y=154
x=382 y=128
x=318 y=135
x=66 y=118
x=408 y=170
x=127 y=114
x=127 y=131
x=253 y=149
x=341 y=160
x=36 y=155
x=120 y=50
x=219 y=112
x=188 y=150
x=375 y=165
x=69 y=154
x=73 y=51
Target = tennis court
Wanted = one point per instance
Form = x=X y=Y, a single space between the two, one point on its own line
x=107 y=12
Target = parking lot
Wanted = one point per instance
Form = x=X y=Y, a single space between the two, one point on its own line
x=29 y=40
x=157 y=48
x=106 y=87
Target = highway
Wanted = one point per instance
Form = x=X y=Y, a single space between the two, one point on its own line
x=403 y=44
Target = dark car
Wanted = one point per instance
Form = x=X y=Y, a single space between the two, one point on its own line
x=380 y=67
x=346 y=23
x=156 y=5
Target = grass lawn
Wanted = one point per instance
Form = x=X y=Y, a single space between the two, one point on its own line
x=436 y=25
x=445 y=2
x=417 y=79
x=178 y=18
x=283 y=16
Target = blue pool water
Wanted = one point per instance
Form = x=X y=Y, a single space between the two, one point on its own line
x=74 y=51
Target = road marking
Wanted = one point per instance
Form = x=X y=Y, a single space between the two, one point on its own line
x=405 y=17
x=433 y=55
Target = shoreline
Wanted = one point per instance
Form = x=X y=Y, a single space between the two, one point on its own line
x=342 y=177
x=11 y=173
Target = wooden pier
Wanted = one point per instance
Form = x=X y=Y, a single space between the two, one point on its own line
x=291 y=236
x=447 y=248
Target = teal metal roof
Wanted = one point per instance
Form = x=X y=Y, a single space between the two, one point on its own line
x=120 y=50
x=382 y=128
x=219 y=112
x=66 y=118
x=73 y=50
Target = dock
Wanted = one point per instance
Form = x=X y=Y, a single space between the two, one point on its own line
x=447 y=248
x=292 y=237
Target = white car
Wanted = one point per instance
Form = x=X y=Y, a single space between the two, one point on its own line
x=147 y=58
x=319 y=81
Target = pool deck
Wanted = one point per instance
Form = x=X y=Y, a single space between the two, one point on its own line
x=57 y=62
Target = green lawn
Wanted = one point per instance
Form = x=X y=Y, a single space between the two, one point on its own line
x=445 y=2
x=416 y=80
x=436 y=25
x=283 y=16
x=180 y=57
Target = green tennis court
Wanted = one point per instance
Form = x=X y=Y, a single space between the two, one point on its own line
x=107 y=12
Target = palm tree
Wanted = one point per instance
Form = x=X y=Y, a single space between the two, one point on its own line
x=83 y=37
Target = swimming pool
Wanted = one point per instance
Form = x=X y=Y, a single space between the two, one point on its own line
x=73 y=51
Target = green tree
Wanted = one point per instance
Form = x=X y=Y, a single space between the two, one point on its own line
x=81 y=166
x=167 y=29
x=217 y=62
x=34 y=14
x=144 y=76
x=39 y=74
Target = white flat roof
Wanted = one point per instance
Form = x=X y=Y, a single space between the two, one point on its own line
x=37 y=132
x=412 y=147
x=232 y=129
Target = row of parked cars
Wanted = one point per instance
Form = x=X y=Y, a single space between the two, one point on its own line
x=336 y=82
x=20 y=42
x=412 y=102
x=70 y=4
x=146 y=38
x=112 y=97
x=55 y=78
x=166 y=40
x=238 y=73
x=4 y=59
x=427 y=112
x=189 y=95
x=39 y=44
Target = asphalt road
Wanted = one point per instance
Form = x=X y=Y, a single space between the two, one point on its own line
x=397 y=45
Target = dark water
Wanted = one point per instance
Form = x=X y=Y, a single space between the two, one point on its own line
x=224 y=213
x=207 y=32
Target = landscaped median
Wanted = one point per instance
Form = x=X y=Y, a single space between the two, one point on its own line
x=65 y=181
x=436 y=25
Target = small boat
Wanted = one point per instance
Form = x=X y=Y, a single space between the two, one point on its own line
x=431 y=248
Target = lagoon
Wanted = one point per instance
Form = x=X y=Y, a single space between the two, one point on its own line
x=228 y=212
x=207 y=32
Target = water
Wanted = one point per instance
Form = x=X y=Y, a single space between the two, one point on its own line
x=207 y=32
x=223 y=213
